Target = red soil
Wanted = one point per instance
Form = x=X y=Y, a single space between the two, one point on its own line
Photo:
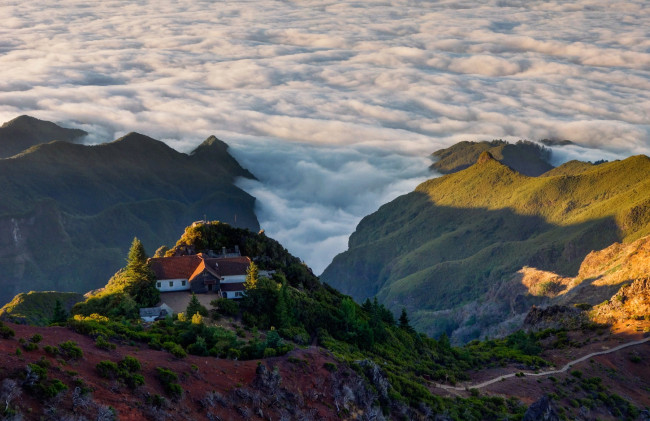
x=302 y=375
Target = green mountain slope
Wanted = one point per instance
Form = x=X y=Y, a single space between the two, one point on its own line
x=525 y=157
x=70 y=211
x=25 y=131
x=37 y=308
x=446 y=244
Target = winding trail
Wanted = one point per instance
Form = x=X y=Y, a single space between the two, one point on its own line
x=543 y=373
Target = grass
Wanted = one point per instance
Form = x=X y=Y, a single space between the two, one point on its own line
x=37 y=308
x=446 y=243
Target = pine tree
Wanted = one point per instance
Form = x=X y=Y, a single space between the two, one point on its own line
x=404 y=323
x=59 y=315
x=252 y=276
x=282 y=310
x=139 y=278
x=194 y=306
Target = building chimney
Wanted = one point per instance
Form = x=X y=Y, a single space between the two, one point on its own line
x=237 y=249
x=223 y=251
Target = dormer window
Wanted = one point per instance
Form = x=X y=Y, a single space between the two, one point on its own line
x=171 y=283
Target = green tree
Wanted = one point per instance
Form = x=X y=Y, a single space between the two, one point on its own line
x=194 y=306
x=348 y=313
x=139 y=279
x=282 y=316
x=404 y=322
x=59 y=315
x=252 y=276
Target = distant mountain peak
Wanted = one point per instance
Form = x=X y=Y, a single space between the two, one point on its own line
x=25 y=131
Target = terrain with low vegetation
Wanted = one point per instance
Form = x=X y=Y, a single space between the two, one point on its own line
x=294 y=348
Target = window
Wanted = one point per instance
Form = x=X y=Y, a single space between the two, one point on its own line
x=171 y=283
x=225 y=295
x=239 y=294
x=158 y=284
x=183 y=283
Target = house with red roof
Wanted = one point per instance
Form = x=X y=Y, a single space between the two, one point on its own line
x=201 y=274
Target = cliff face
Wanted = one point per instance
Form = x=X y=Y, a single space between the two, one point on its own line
x=69 y=212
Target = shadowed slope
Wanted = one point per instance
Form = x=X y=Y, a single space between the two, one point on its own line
x=66 y=203
x=25 y=131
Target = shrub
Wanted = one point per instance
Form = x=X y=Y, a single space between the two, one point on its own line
x=6 y=332
x=30 y=346
x=331 y=367
x=102 y=343
x=270 y=352
x=225 y=306
x=175 y=349
x=36 y=338
x=168 y=380
x=52 y=350
x=70 y=350
x=130 y=364
x=107 y=369
x=197 y=319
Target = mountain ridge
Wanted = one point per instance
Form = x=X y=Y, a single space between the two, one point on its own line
x=444 y=244
x=71 y=202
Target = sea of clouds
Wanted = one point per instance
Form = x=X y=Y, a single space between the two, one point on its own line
x=334 y=105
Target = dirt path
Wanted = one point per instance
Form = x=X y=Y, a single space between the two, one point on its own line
x=543 y=373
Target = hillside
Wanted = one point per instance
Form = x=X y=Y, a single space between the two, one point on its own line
x=25 y=131
x=293 y=348
x=456 y=238
x=524 y=157
x=37 y=308
x=69 y=212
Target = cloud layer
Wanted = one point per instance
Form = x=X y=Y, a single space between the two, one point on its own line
x=333 y=104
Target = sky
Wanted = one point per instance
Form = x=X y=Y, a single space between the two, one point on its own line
x=333 y=105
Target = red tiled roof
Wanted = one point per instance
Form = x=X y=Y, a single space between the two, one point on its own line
x=202 y=267
x=188 y=267
x=230 y=266
x=177 y=267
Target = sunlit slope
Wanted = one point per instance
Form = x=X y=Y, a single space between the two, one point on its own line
x=447 y=242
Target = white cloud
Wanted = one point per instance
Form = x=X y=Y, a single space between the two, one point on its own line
x=334 y=104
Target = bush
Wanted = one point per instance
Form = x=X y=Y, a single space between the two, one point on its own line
x=107 y=369
x=331 y=367
x=52 y=350
x=175 y=349
x=70 y=350
x=6 y=332
x=102 y=343
x=168 y=380
x=36 y=338
x=130 y=364
x=225 y=306
x=30 y=346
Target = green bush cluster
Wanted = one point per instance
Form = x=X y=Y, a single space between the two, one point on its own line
x=168 y=379
x=6 y=332
x=36 y=380
x=125 y=371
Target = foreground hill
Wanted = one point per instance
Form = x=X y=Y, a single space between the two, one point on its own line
x=69 y=211
x=25 y=131
x=454 y=238
x=293 y=348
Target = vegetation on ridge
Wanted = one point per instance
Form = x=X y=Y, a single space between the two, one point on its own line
x=444 y=245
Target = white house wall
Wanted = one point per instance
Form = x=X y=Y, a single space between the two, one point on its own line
x=167 y=285
x=233 y=279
